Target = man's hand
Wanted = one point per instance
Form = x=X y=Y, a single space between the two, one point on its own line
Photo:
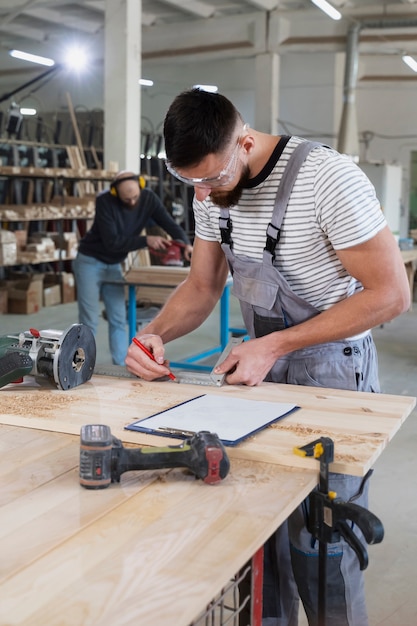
x=188 y=250
x=141 y=365
x=248 y=363
x=157 y=242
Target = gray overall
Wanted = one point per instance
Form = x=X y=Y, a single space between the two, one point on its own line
x=268 y=304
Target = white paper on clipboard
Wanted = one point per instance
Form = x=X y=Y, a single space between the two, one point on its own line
x=232 y=419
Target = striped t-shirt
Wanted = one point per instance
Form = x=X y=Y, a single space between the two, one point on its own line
x=332 y=206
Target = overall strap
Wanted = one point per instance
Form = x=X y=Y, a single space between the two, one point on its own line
x=225 y=225
x=286 y=184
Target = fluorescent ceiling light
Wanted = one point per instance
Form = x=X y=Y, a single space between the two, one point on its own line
x=27 y=111
x=146 y=82
x=327 y=8
x=209 y=88
x=410 y=62
x=33 y=58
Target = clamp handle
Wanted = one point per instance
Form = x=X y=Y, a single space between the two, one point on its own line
x=354 y=542
x=329 y=518
x=329 y=514
x=369 y=524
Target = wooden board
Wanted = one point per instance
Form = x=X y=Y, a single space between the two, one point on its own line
x=360 y=424
x=157 y=275
x=156 y=282
x=153 y=550
x=55 y=172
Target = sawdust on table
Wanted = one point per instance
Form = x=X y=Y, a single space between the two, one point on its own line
x=162 y=396
x=299 y=429
x=343 y=439
x=37 y=405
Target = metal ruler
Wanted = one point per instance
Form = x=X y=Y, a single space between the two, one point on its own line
x=208 y=378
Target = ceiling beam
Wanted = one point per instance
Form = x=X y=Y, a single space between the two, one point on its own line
x=98 y=5
x=266 y=5
x=195 y=7
x=148 y=19
x=9 y=17
x=34 y=34
x=55 y=17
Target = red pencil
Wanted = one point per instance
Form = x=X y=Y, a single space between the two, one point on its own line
x=150 y=355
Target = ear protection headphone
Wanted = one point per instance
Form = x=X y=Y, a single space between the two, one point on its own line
x=114 y=184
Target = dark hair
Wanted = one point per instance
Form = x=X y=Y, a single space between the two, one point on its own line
x=198 y=123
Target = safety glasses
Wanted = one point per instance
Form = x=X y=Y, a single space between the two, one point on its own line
x=226 y=175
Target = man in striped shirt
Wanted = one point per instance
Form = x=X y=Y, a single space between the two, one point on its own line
x=315 y=267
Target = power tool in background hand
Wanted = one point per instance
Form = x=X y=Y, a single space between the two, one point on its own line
x=171 y=256
x=68 y=357
x=103 y=458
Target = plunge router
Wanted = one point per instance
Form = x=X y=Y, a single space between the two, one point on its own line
x=65 y=356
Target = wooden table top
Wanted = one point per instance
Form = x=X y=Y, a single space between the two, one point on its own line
x=156 y=548
x=360 y=424
x=152 y=550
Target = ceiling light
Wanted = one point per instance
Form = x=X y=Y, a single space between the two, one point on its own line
x=76 y=58
x=27 y=111
x=209 y=88
x=327 y=8
x=33 y=58
x=410 y=62
x=146 y=82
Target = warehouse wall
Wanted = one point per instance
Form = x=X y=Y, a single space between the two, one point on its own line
x=310 y=102
x=310 y=99
x=311 y=90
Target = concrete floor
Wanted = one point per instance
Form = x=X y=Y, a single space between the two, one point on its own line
x=392 y=571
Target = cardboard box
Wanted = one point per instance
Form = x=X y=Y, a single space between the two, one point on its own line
x=51 y=290
x=21 y=239
x=8 y=248
x=70 y=246
x=52 y=295
x=26 y=295
x=41 y=245
x=67 y=287
x=66 y=242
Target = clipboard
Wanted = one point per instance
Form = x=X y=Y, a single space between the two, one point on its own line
x=232 y=419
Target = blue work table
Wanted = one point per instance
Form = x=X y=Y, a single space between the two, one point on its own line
x=192 y=361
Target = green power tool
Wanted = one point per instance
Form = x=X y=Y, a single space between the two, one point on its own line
x=67 y=357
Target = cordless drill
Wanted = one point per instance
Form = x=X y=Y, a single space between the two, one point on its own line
x=103 y=458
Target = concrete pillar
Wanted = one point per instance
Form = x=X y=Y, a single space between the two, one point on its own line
x=122 y=70
x=267 y=68
x=348 y=141
x=311 y=95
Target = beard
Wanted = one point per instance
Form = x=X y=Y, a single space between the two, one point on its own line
x=227 y=199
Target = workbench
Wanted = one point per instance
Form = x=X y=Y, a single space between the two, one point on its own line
x=157 y=547
x=156 y=283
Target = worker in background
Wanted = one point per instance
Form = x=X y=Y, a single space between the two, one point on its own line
x=121 y=214
x=330 y=272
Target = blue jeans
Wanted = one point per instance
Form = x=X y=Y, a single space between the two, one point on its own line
x=91 y=278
